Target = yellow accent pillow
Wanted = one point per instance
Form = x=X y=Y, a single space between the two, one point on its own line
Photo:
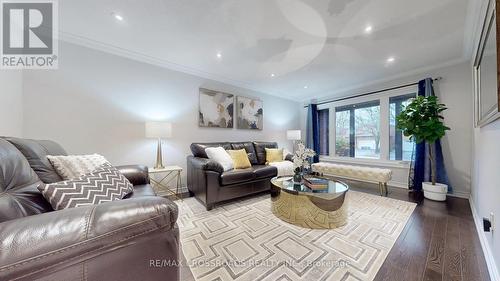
x=274 y=155
x=240 y=158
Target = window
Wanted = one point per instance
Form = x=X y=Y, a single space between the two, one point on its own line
x=342 y=143
x=366 y=129
x=358 y=130
x=400 y=147
x=324 y=142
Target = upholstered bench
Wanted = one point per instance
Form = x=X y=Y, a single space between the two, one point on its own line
x=358 y=173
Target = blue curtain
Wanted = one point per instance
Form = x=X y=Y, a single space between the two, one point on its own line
x=312 y=130
x=420 y=170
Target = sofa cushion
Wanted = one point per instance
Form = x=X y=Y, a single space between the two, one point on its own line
x=240 y=158
x=142 y=190
x=73 y=166
x=248 y=146
x=274 y=155
x=220 y=155
x=19 y=196
x=36 y=152
x=260 y=149
x=237 y=176
x=105 y=184
x=263 y=171
x=198 y=149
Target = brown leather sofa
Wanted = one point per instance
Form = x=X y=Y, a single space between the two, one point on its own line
x=208 y=182
x=132 y=239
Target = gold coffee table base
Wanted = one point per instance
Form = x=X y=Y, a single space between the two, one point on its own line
x=299 y=210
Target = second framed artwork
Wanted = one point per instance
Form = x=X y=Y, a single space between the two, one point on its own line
x=249 y=113
x=219 y=110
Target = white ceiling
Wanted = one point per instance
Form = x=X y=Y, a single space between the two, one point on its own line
x=318 y=43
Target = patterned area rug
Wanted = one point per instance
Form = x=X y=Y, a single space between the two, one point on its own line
x=243 y=240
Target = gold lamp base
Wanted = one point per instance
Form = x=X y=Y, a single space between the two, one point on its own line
x=159 y=158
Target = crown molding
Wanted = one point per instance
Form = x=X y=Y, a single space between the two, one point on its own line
x=123 y=52
x=126 y=53
x=357 y=87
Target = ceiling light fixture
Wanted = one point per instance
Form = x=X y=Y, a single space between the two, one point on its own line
x=390 y=59
x=272 y=75
x=118 y=17
x=219 y=55
x=305 y=87
x=368 y=29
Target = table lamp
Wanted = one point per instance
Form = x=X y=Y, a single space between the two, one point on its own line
x=293 y=135
x=158 y=130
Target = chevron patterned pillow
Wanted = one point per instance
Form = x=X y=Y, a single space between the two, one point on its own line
x=104 y=184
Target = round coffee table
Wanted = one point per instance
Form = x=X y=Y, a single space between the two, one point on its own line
x=299 y=205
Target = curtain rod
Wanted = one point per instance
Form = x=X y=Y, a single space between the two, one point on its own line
x=371 y=93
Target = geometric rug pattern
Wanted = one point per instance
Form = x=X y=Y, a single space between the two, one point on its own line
x=243 y=240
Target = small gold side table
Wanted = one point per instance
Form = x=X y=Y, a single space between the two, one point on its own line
x=166 y=180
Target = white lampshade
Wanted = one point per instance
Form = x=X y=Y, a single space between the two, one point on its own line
x=293 y=135
x=158 y=130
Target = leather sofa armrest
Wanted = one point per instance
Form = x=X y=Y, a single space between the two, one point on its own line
x=136 y=174
x=205 y=164
x=289 y=157
x=67 y=237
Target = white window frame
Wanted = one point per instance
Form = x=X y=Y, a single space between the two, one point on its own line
x=383 y=97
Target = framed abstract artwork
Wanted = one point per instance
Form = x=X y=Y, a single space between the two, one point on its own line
x=216 y=109
x=250 y=113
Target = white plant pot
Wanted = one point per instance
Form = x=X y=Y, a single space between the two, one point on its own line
x=435 y=192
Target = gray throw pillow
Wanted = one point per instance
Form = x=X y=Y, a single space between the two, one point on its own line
x=104 y=184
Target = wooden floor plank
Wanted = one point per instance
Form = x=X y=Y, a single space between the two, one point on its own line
x=452 y=260
x=439 y=242
x=436 y=252
x=434 y=266
x=470 y=265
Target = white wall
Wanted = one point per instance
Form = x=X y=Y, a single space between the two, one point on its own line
x=98 y=102
x=455 y=91
x=485 y=188
x=485 y=194
x=11 y=103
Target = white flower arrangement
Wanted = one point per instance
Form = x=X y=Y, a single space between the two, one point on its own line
x=302 y=156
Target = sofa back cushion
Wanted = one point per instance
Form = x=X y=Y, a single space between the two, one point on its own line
x=260 y=149
x=220 y=155
x=198 y=149
x=19 y=196
x=248 y=146
x=36 y=152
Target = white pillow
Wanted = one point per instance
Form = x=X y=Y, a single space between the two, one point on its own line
x=285 y=153
x=74 y=166
x=220 y=155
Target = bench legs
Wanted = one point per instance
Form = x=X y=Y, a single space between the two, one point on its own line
x=383 y=189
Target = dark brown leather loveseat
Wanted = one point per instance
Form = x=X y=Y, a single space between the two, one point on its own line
x=208 y=182
x=132 y=239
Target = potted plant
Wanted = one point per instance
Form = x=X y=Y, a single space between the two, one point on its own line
x=301 y=161
x=421 y=120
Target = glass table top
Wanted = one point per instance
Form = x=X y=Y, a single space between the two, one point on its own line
x=287 y=184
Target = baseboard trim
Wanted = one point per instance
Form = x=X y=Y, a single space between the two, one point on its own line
x=459 y=194
x=402 y=185
x=488 y=254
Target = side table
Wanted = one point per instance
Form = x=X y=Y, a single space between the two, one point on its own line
x=166 y=180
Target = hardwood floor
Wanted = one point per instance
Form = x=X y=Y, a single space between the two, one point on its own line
x=439 y=242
